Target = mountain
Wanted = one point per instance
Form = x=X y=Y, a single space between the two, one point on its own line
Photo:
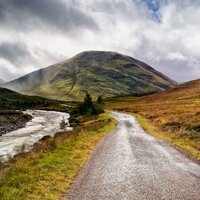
x=98 y=72
x=13 y=100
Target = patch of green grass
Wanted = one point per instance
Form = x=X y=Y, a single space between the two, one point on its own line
x=47 y=174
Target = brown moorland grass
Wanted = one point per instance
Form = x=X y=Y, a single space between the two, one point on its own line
x=172 y=115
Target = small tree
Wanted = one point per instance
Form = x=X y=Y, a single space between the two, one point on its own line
x=88 y=104
x=63 y=124
x=88 y=100
x=99 y=105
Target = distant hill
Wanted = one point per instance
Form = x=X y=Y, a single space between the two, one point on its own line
x=13 y=100
x=186 y=95
x=189 y=91
x=98 y=72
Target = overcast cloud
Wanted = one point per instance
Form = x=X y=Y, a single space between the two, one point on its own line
x=162 y=33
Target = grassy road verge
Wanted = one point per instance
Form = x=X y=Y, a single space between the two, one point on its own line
x=172 y=115
x=49 y=170
x=185 y=145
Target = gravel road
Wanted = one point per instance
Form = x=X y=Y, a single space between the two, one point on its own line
x=130 y=164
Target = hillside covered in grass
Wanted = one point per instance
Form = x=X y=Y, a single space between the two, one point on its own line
x=13 y=100
x=173 y=114
x=97 y=72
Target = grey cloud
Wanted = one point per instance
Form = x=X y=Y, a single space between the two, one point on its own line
x=21 y=58
x=109 y=7
x=180 y=71
x=5 y=74
x=20 y=55
x=170 y=45
x=28 y=14
x=15 y=53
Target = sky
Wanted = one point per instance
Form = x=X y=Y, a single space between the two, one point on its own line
x=163 y=33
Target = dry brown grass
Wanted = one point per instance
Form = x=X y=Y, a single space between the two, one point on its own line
x=175 y=113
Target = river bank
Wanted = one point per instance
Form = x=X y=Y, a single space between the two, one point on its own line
x=11 y=120
x=43 y=123
x=51 y=166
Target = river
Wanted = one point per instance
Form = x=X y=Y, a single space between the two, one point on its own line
x=44 y=123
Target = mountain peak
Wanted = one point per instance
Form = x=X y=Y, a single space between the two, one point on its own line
x=97 y=55
x=98 y=72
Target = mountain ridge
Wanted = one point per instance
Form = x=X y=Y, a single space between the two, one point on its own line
x=98 y=72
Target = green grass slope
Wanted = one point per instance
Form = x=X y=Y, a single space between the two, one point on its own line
x=98 y=72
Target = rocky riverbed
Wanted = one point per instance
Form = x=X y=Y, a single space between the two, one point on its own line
x=11 y=120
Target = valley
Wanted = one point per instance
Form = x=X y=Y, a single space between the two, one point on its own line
x=86 y=91
x=99 y=100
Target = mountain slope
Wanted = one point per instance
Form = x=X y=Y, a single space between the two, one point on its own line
x=98 y=72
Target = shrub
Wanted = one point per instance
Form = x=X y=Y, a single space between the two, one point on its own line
x=173 y=124
x=63 y=124
x=194 y=127
x=100 y=100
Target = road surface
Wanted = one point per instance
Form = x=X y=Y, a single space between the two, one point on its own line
x=130 y=164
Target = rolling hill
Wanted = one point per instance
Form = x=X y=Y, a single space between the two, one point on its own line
x=173 y=114
x=98 y=72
